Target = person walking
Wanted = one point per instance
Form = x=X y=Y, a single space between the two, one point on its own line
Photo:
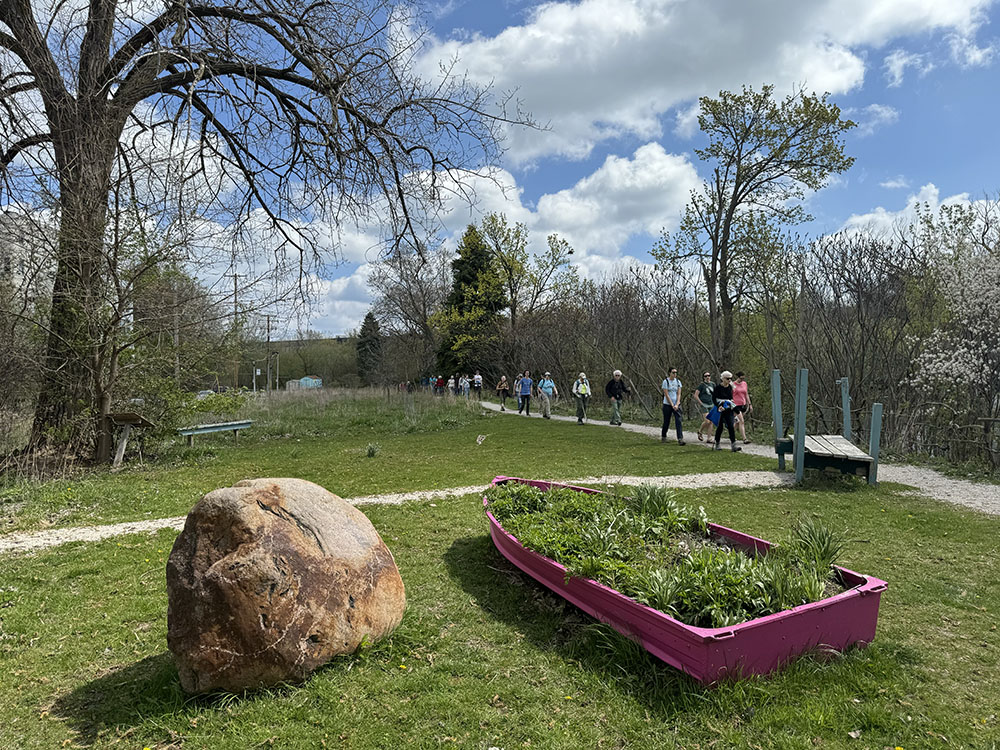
x=525 y=393
x=517 y=391
x=616 y=390
x=503 y=390
x=723 y=396
x=671 y=388
x=703 y=400
x=546 y=390
x=463 y=386
x=477 y=385
x=581 y=392
x=742 y=405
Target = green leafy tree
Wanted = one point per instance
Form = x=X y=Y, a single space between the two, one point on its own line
x=369 y=349
x=473 y=306
x=765 y=156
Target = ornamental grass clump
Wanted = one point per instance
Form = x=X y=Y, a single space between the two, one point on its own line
x=661 y=552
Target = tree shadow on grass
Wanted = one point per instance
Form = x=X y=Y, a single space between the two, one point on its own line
x=550 y=623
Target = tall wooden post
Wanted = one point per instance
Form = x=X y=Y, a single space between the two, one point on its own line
x=874 y=442
x=845 y=405
x=776 y=414
x=799 y=444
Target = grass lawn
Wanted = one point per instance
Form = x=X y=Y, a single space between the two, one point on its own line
x=486 y=658
x=424 y=443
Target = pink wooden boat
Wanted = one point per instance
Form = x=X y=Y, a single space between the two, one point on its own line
x=709 y=654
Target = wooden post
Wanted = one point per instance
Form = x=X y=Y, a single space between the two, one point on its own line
x=845 y=403
x=873 y=443
x=776 y=414
x=120 y=452
x=799 y=454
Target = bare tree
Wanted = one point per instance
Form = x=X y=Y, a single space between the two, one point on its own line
x=304 y=113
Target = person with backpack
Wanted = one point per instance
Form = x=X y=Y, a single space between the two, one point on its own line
x=546 y=390
x=581 y=392
x=616 y=390
x=671 y=388
x=723 y=396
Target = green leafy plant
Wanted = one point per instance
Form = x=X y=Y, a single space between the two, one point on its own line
x=661 y=553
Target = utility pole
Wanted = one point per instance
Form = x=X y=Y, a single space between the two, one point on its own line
x=236 y=330
x=268 y=318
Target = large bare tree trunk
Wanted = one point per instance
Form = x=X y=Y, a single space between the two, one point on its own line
x=66 y=401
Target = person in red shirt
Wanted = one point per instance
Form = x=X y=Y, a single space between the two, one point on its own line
x=741 y=399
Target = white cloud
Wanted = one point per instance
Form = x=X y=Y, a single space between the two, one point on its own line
x=686 y=120
x=599 y=69
x=895 y=183
x=872 y=117
x=625 y=197
x=882 y=220
x=897 y=61
x=966 y=53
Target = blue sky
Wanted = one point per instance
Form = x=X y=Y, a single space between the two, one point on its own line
x=618 y=82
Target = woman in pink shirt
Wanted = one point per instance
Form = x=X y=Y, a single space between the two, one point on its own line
x=741 y=404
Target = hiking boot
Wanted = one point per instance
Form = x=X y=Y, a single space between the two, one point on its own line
x=579 y=421
x=546 y=416
x=663 y=438
x=736 y=448
x=716 y=447
x=681 y=442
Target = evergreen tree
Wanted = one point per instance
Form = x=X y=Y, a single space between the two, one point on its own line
x=369 y=349
x=472 y=307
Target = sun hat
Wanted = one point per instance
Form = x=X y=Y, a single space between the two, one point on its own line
x=547 y=373
x=583 y=375
x=726 y=374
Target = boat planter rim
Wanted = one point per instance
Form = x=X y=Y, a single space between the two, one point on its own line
x=868 y=585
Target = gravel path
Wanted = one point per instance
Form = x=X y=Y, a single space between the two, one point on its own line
x=933 y=484
x=978 y=495
x=32 y=541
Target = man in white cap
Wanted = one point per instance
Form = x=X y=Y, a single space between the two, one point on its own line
x=581 y=391
x=547 y=389
x=616 y=390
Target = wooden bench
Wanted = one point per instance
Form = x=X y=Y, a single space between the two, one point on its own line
x=127 y=420
x=822 y=452
x=830 y=452
x=203 y=429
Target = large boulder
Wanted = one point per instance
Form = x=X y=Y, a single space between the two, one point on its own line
x=272 y=578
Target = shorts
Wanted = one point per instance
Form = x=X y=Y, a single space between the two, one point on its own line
x=705 y=408
x=739 y=409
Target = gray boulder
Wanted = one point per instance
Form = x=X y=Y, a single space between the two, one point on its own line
x=272 y=578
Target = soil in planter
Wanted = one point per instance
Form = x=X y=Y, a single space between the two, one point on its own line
x=661 y=553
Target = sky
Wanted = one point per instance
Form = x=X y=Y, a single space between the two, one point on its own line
x=617 y=84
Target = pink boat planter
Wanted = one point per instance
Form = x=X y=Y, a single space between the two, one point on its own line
x=755 y=647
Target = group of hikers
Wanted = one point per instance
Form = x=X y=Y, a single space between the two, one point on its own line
x=722 y=405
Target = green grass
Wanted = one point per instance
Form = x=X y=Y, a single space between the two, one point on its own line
x=423 y=444
x=487 y=658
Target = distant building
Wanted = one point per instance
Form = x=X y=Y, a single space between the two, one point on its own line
x=309 y=381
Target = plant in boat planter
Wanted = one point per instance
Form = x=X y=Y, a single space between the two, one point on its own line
x=659 y=552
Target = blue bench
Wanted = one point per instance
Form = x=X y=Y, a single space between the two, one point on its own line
x=204 y=429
